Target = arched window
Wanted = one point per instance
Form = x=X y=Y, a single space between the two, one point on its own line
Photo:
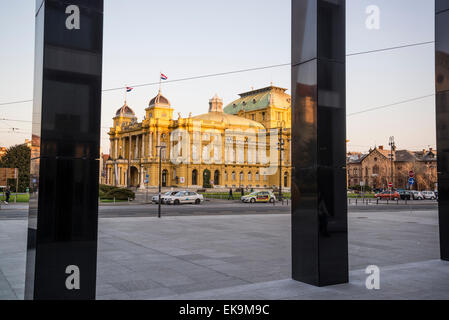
x=241 y=176
x=217 y=178
x=164 y=151
x=257 y=176
x=195 y=177
x=286 y=180
x=233 y=176
x=226 y=176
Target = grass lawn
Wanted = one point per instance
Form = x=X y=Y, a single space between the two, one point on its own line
x=23 y=198
x=359 y=196
x=111 y=201
x=236 y=195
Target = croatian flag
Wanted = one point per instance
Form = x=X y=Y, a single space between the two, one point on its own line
x=129 y=89
x=163 y=77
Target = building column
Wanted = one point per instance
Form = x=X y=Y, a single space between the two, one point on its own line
x=142 y=177
x=150 y=147
x=319 y=207
x=442 y=116
x=116 y=151
x=144 y=141
x=136 y=149
x=63 y=215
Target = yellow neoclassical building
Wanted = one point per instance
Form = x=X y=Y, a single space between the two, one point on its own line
x=235 y=146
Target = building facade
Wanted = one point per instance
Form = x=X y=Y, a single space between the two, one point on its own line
x=235 y=146
x=376 y=169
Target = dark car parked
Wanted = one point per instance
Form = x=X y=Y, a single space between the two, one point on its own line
x=405 y=195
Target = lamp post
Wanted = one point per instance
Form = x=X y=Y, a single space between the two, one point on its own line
x=281 y=148
x=160 y=177
x=393 y=147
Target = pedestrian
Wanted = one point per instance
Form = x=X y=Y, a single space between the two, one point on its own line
x=231 y=197
x=8 y=194
x=243 y=191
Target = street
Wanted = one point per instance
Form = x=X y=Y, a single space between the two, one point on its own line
x=219 y=207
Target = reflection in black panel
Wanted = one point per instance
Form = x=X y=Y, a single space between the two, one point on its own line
x=442 y=116
x=319 y=208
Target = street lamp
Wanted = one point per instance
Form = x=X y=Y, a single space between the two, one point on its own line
x=281 y=148
x=393 y=147
x=160 y=177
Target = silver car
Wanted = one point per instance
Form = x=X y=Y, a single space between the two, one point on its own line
x=185 y=197
x=429 y=195
x=416 y=195
x=164 y=197
x=260 y=196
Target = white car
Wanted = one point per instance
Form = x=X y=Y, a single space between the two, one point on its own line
x=261 y=196
x=416 y=195
x=186 y=197
x=429 y=195
x=164 y=197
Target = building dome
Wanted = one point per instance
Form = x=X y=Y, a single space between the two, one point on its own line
x=229 y=120
x=125 y=111
x=159 y=101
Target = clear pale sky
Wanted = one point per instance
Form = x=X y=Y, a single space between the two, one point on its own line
x=190 y=38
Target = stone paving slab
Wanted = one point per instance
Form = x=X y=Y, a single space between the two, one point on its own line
x=407 y=281
x=244 y=257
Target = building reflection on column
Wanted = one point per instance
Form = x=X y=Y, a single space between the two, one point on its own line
x=442 y=118
x=63 y=214
x=319 y=211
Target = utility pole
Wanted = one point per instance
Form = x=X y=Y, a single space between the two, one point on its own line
x=281 y=148
x=160 y=178
x=393 y=147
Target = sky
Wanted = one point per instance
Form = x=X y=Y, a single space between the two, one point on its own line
x=192 y=38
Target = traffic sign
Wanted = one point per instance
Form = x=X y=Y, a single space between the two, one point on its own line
x=390 y=185
x=411 y=181
x=411 y=174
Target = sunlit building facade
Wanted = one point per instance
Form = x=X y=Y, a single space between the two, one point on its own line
x=231 y=147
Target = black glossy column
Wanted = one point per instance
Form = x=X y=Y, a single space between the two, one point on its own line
x=319 y=208
x=442 y=115
x=63 y=218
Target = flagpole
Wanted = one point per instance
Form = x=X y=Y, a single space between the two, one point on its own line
x=160 y=82
x=126 y=94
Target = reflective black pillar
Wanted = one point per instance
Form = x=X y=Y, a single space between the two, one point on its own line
x=63 y=218
x=319 y=209
x=442 y=115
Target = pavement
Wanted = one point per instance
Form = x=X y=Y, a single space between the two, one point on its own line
x=244 y=257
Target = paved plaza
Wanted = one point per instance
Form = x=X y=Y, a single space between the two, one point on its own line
x=244 y=257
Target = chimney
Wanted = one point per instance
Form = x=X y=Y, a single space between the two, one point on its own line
x=215 y=104
x=381 y=147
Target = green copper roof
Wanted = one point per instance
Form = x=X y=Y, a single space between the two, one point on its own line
x=259 y=99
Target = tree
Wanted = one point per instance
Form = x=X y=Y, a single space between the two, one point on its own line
x=18 y=157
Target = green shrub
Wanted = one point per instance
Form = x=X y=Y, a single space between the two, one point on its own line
x=105 y=189
x=119 y=194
